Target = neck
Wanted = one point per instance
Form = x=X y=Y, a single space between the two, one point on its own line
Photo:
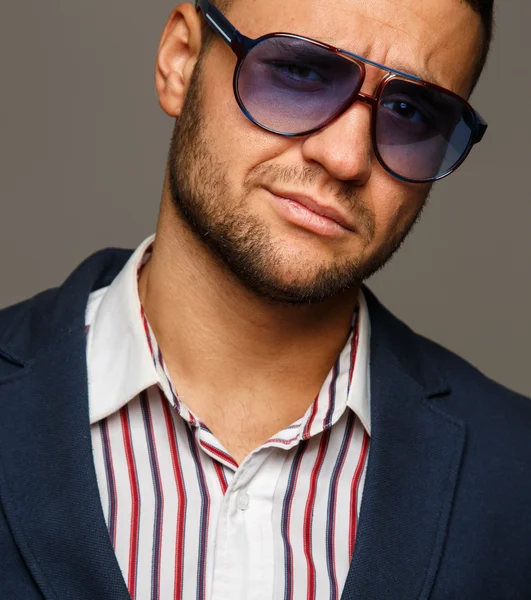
x=221 y=340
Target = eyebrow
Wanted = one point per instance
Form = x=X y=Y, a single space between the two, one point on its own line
x=400 y=67
x=425 y=75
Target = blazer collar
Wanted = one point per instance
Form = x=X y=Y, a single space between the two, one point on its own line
x=48 y=484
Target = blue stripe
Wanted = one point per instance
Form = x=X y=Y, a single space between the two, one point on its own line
x=286 y=509
x=325 y=441
x=109 y=474
x=352 y=342
x=331 y=512
x=157 y=485
x=332 y=396
x=185 y=520
x=160 y=359
x=205 y=511
x=137 y=479
x=175 y=400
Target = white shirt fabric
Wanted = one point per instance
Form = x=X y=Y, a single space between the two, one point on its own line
x=185 y=520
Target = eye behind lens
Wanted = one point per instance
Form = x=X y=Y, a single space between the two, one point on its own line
x=293 y=86
x=421 y=132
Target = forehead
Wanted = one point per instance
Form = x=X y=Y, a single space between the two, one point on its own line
x=437 y=40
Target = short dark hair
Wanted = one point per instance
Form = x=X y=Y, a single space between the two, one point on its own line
x=485 y=9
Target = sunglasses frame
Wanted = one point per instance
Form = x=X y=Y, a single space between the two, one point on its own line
x=242 y=45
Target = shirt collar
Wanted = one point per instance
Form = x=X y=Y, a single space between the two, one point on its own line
x=120 y=363
x=359 y=396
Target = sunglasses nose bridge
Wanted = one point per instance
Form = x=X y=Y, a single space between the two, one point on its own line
x=367 y=99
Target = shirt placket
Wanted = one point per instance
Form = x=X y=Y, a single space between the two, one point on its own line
x=242 y=565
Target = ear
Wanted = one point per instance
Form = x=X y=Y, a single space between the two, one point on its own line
x=179 y=49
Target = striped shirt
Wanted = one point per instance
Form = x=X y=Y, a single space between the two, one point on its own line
x=185 y=520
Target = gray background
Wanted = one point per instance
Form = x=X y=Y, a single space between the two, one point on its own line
x=83 y=147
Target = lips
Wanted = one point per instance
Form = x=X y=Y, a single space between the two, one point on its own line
x=316 y=207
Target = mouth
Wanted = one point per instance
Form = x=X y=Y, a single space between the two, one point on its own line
x=310 y=214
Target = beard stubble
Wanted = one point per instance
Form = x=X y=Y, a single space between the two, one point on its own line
x=240 y=241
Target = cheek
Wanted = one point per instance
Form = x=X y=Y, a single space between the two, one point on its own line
x=233 y=140
x=396 y=205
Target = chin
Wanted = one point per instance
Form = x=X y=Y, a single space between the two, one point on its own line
x=301 y=282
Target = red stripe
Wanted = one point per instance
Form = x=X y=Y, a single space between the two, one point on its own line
x=354 y=350
x=286 y=519
x=309 y=424
x=181 y=494
x=354 y=494
x=159 y=495
x=146 y=329
x=176 y=402
x=220 y=454
x=109 y=468
x=221 y=476
x=135 y=501
x=193 y=420
x=281 y=441
x=308 y=514
x=332 y=503
x=205 y=516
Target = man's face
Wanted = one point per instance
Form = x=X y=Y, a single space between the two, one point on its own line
x=229 y=178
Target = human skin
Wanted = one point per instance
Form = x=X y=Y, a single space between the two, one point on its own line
x=249 y=360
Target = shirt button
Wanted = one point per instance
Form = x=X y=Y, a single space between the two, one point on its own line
x=243 y=501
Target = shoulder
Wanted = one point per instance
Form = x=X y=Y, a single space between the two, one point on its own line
x=453 y=383
x=498 y=419
x=30 y=325
x=18 y=322
x=421 y=356
x=464 y=377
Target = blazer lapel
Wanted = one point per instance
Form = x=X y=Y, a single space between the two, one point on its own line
x=412 y=472
x=48 y=483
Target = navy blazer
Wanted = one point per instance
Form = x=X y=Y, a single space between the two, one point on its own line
x=446 y=510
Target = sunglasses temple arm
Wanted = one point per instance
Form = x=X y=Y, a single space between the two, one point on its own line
x=481 y=128
x=221 y=25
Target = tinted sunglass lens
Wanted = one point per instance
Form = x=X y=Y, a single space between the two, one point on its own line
x=421 y=132
x=292 y=86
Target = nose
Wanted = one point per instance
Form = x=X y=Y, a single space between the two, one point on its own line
x=344 y=146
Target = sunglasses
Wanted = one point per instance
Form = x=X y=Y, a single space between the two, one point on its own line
x=294 y=86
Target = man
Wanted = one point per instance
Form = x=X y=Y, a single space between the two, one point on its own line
x=227 y=412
